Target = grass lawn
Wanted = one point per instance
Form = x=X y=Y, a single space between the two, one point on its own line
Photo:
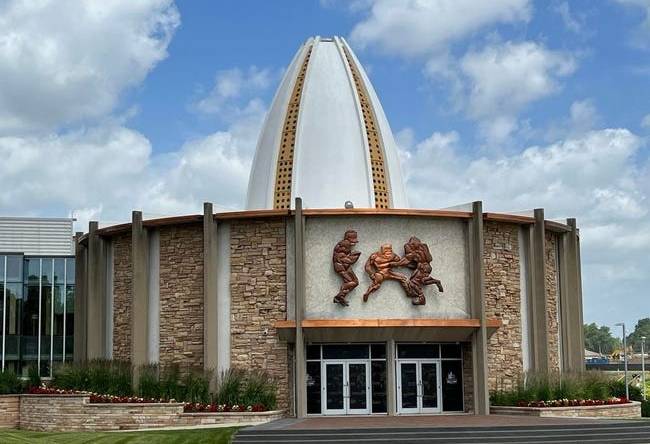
x=200 y=436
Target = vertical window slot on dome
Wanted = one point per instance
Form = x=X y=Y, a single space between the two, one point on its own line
x=370 y=122
x=282 y=194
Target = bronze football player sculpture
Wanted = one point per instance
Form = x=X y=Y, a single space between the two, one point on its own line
x=418 y=257
x=379 y=267
x=343 y=258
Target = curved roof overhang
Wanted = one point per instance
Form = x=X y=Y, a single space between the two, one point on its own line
x=114 y=230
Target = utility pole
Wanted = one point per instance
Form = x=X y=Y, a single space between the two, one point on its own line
x=643 y=367
x=627 y=388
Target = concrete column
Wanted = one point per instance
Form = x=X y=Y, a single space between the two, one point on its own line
x=477 y=308
x=140 y=293
x=80 y=297
x=301 y=371
x=95 y=295
x=210 y=309
x=540 y=325
x=581 y=322
x=391 y=378
x=573 y=298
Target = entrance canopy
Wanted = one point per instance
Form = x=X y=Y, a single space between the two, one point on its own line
x=353 y=330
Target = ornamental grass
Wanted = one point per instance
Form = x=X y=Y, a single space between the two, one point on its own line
x=566 y=389
x=109 y=381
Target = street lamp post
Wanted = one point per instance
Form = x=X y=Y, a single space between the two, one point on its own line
x=643 y=367
x=627 y=388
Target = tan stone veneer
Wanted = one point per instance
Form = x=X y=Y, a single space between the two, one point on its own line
x=181 y=296
x=122 y=291
x=503 y=301
x=258 y=298
x=551 y=265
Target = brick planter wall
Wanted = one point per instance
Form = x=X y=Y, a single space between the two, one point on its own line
x=9 y=411
x=242 y=418
x=631 y=410
x=57 y=413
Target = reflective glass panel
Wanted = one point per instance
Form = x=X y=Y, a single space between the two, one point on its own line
x=417 y=351
x=429 y=385
x=14 y=268
x=313 y=352
x=409 y=384
x=378 y=380
x=29 y=328
x=69 y=321
x=450 y=351
x=345 y=351
x=452 y=386
x=334 y=386
x=59 y=270
x=70 y=270
x=313 y=387
x=32 y=270
x=378 y=351
x=357 y=382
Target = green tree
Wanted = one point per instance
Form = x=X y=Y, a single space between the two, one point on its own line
x=600 y=339
x=642 y=328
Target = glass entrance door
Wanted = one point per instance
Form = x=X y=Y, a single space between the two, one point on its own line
x=418 y=386
x=346 y=388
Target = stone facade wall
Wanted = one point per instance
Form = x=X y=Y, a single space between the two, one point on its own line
x=258 y=291
x=468 y=378
x=9 y=411
x=181 y=296
x=122 y=296
x=632 y=410
x=552 y=289
x=503 y=301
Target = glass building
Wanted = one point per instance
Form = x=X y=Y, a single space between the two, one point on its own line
x=37 y=293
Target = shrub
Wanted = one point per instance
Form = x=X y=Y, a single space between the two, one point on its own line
x=70 y=376
x=230 y=386
x=645 y=409
x=169 y=383
x=99 y=376
x=538 y=387
x=9 y=383
x=617 y=388
x=121 y=378
x=196 y=387
x=148 y=382
x=259 y=388
x=33 y=378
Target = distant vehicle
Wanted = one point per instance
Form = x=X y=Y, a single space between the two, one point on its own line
x=598 y=360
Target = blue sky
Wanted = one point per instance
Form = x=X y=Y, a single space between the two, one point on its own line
x=112 y=106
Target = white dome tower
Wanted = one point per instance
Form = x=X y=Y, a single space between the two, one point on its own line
x=326 y=138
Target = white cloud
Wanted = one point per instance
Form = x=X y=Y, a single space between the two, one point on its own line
x=570 y=22
x=593 y=177
x=645 y=122
x=64 y=61
x=503 y=78
x=640 y=36
x=231 y=85
x=104 y=172
x=421 y=27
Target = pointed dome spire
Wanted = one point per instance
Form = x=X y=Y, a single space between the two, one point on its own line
x=326 y=138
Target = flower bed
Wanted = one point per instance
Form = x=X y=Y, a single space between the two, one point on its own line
x=222 y=408
x=188 y=407
x=573 y=402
